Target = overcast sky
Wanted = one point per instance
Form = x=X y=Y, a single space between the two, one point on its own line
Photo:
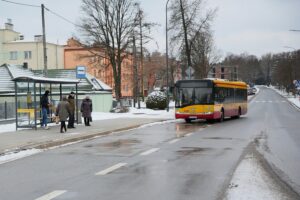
x=256 y=27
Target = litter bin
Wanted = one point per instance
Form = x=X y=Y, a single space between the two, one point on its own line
x=79 y=118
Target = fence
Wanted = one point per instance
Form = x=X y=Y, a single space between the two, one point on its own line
x=7 y=110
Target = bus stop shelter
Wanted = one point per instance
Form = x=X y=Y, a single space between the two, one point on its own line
x=28 y=92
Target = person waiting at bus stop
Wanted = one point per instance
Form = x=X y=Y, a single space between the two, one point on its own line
x=63 y=112
x=72 y=110
x=86 y=110
x=45 y=104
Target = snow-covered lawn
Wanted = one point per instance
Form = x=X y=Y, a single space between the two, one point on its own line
x=291 y=98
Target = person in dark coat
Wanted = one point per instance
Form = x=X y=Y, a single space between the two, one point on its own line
x=71 y=101
x=45 y=104
x=63 y=112
x=86 y=110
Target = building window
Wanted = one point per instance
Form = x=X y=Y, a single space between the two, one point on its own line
x=27 y=55
x=13 y=55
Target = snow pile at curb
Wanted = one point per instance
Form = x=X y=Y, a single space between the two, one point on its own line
x=294 y=100
x=18 y=155
x=251 y=182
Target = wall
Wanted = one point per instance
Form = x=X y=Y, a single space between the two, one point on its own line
x=54 y=54
x=98 y=66
x=6 y=36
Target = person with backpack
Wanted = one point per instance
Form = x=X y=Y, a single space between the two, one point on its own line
x=45 y=104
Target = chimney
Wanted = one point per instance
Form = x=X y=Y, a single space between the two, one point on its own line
x=21 y=37
x=38 y=38
x=8 y=25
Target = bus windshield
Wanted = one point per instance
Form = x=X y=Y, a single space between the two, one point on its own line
x=192 y=96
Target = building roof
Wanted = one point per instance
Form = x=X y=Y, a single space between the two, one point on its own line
x=37 y=79
x=11 y=73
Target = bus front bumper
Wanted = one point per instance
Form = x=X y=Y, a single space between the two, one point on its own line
x=209 y=115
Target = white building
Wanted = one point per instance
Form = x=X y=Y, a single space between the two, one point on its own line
x=16 y=50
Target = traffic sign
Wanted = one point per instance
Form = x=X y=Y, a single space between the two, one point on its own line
x=190 y=72
x=80 y=72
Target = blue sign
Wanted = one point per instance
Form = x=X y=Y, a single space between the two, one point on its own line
x=80 y=72
x=297 y=83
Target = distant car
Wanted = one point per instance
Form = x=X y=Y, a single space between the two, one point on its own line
x=251 y=90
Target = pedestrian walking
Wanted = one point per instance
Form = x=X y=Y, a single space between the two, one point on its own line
x=45 y=104
x=63 y=112
x=86 y=110
x=71 y=101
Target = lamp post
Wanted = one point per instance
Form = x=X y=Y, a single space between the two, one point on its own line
x=167 y=55
x=294 y=30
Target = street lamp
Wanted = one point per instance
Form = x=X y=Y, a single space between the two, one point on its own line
x=294 y=30
x=167 y=55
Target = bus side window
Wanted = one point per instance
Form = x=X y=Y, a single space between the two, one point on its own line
x=219 y=95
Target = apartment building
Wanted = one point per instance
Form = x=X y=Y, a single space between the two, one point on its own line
x=97 y=64
x=16 y=50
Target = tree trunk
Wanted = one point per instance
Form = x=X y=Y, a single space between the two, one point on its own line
x=187 y=48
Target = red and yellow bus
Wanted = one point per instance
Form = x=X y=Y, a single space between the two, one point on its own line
x=210 y=99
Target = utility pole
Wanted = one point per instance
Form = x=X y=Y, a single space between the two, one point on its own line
x=167 y=56
x=142 y=54
x=44 y=41
x=136 y=81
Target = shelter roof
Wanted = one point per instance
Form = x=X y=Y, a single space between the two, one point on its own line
x=24 y=78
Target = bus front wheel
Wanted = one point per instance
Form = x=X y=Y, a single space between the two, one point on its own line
x=188 y=120
x=221 y=119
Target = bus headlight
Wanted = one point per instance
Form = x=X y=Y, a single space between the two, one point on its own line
x=208 y=113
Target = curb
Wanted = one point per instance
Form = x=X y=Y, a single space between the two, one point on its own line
x=56 y=143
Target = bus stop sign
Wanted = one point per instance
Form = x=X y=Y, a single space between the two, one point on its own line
x=80 y=72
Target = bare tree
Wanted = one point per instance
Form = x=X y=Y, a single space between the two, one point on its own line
x=193 y=33
x=144 y=30
x=109 y=24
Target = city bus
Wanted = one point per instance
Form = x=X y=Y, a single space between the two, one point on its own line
x=210 y=99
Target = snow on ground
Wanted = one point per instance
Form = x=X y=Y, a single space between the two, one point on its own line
x=251 y=182
x=17 y=155
x=143 y=112
x=291 y=98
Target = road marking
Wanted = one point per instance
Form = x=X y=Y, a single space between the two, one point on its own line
x=189 y=134
x=270 y=101
x=173 y=141
x=111 y=169
x=52 y=195
x=149 y=151
x=283 y=101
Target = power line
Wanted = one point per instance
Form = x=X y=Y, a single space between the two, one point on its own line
x=38 y=6
x=58 y=15
x=22 y=4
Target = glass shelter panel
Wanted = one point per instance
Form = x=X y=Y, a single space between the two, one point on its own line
x=25 y=109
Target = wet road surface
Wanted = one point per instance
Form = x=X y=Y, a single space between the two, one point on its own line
x=169 y=161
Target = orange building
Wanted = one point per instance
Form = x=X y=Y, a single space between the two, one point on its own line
x=98 y=65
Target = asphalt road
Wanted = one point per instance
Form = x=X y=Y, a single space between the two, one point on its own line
x=172 y=161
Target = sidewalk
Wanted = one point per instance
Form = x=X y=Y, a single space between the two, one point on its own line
x=41 y=139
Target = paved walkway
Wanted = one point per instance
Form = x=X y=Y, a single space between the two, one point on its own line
x=40 y=138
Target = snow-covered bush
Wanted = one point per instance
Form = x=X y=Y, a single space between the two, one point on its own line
x=156 y=100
